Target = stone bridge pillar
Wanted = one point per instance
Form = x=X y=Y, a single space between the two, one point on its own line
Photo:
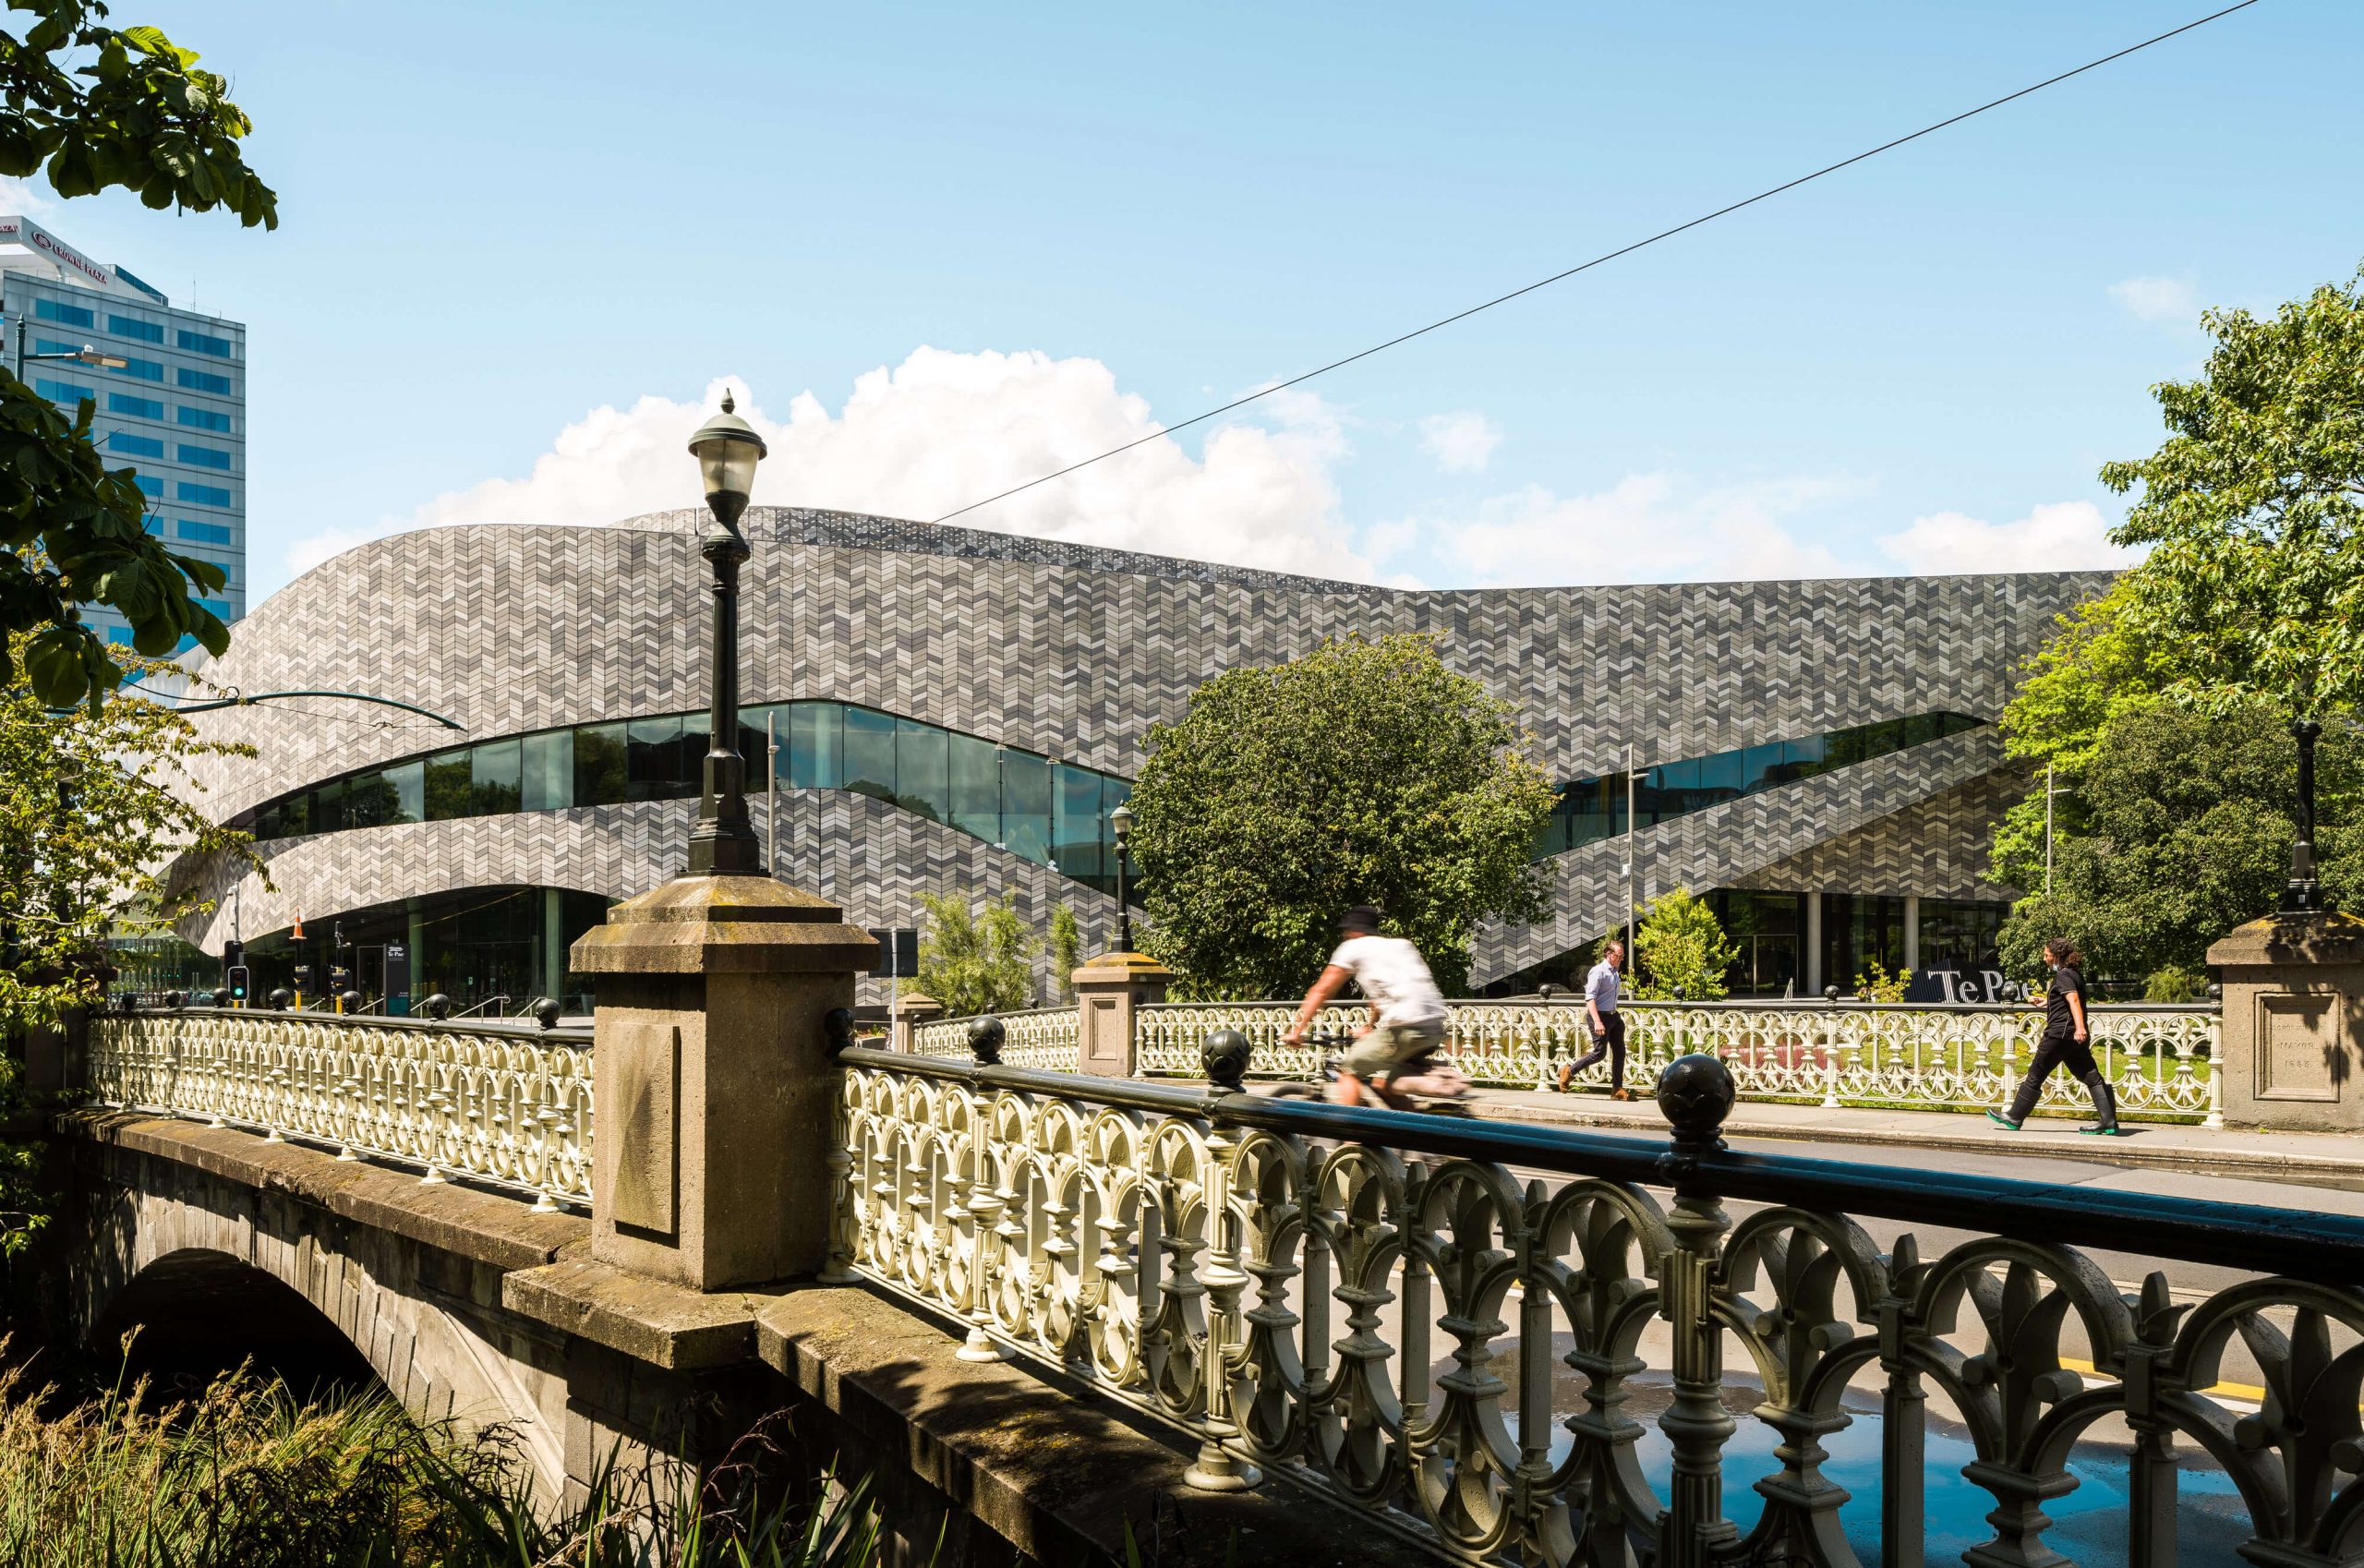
x=713 y=1076
x=1108 y=992
x=2293 y=1035
x=910 y=1011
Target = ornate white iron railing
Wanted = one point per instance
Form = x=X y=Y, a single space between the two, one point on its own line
x=1447 y=1334
x=1046 y=1039
x=2161 y=1059
x=501 y=1106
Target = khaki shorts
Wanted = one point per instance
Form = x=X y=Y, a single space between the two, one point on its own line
x=1379 y=1054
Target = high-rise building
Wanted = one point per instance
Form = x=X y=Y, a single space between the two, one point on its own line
x=175 y=411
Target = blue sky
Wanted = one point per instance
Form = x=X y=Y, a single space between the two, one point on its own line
x=521 y=243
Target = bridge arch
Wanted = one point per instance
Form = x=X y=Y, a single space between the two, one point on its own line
x=196 y=1259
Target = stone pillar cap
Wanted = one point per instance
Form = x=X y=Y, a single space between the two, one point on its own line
x=917 y=1002
x=2321 y=938
x=1113 y=964
x=724 y=925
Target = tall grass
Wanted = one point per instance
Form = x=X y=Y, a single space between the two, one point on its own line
x=244 y=1474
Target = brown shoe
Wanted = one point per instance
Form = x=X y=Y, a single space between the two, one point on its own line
x=1621 y=1095
x=1565 y=1074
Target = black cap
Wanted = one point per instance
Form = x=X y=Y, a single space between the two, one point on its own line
x=1362 y=917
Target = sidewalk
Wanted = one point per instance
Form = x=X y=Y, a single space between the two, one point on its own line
x=2300 y=1156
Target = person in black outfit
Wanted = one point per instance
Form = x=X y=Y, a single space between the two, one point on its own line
x=2064 y=1044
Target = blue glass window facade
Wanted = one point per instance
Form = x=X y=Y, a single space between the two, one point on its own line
x=199 y=419
x=206 y=382
x=1048 y=813
x=65 y=315
x=202 y=342
x=152 y=487
x=138 y=407
x=203 y=533
x=1592 y=809
x=132 y=327
x=138 y=446
x=142 y=369
x=65 y=392
x=203 y=456
x=204 y=495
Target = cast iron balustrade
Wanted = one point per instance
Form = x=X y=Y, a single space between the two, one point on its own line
x=2161 y=1059
x=510 y=1106
x=1046 y=1039
x=1281 y=1281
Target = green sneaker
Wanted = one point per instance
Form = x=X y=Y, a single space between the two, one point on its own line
x=1999 y=1119
x=2113 y=1130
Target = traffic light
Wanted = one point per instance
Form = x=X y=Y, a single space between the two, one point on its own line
x=303 y=978
x=236 y=976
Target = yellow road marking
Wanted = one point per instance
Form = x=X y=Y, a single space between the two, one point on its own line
x=2248 y=1392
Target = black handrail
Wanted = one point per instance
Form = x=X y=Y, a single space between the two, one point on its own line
x=2253 y=1237
x=521 y=1029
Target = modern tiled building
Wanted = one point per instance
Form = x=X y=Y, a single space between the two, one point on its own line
x=174 y=409
x=958 y=711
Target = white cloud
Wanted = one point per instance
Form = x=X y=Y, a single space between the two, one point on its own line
x=2069 y=535
x=1462 y=443
x=944 y=429
x=1647 y=529
x=2158 y=300
x=20 y=196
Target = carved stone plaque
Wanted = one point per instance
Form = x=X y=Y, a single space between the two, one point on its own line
x=1103 y=1034
x=647 y=1130
x=2299 y=1046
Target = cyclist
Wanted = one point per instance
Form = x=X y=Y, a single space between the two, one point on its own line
x=1408 y=1012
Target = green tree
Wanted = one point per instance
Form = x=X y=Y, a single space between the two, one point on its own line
x=93 y=107
x=2254 y=511
x=92 y=808
x=975 y=961
x=1680 y=945
x=2190 y=818
x=1067 y=950
x=1364 y=773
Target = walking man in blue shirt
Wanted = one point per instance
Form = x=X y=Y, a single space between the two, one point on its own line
x=1608 y=1025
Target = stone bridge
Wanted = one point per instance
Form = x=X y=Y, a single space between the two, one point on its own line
x=1044 y=1310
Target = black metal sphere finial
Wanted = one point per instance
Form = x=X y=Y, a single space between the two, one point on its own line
x=1695 y=1094
x=546 y=1011
x=352 y=1000
x=1831 y=993
x=437 y=1006
x=985 y=1037
x=280 y=996
x=836 y=1029
x=1226 y=1053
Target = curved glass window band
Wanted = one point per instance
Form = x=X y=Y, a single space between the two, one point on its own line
x=1052 y=814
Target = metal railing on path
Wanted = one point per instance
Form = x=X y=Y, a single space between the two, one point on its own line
x=2160 y=1058
x=1442 y=1322
x=1043 y=1038
x=504 y=1105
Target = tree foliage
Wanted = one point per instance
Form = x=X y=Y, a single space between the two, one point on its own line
x=1680 y=945
x=2254 y=511
x=2187 y=818
x=92 y=808
x=92 y=108
x=977 y=960
x=1067 y=950
x=1364 y=773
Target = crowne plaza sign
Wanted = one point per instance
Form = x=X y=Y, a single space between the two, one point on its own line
x=24 y=232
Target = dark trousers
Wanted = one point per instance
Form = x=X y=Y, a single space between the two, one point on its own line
x=1610 y=1042
x=2061 y=1049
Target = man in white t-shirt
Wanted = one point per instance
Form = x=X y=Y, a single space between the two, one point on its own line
x=1408 y=1012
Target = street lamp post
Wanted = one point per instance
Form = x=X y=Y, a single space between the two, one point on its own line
x=2305 y=894
x=1121 y=821
x=86 y=354
x=723 y=842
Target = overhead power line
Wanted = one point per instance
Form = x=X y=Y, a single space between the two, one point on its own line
x=1605 y=256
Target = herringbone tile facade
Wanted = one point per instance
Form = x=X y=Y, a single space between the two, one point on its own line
x=1073 y=652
